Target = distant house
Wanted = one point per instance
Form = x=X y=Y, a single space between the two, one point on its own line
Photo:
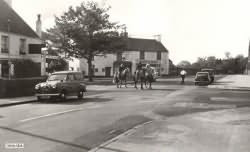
x=146 y=51
x=17 y=41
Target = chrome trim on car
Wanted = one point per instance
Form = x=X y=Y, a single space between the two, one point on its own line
x=55 y=94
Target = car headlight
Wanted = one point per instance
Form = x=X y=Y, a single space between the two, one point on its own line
x=53 y=86
x=37 y=86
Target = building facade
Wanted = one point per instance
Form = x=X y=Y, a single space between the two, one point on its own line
x=146 y=51
x=17 y=41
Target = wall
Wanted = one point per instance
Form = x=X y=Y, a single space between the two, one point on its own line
x=14 y=48
x=131 y=56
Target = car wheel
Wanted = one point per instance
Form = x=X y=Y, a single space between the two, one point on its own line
x=63 y=96
x=39 y=98
x=80 y=95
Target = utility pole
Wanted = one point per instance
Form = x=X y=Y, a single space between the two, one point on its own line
x=9 y=62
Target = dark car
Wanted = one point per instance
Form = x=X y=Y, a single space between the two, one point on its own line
x=211 y=73
x=60 y=85
x=202 y=78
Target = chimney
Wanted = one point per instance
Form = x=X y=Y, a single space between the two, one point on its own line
x=158 y=38
x=39 y=26
x=9 y=2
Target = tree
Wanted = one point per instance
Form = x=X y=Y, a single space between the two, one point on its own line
x=184 y=64
x=85 y=32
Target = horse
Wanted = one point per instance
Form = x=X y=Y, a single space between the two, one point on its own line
x=149 y=78
x=139 y=75
x=120 y=77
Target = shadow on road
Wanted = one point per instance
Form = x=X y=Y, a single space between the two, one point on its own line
x=75 y=101
x=45 y=138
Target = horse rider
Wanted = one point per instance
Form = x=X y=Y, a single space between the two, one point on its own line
x=149 y=69
x=121 y=68
x=139 y=67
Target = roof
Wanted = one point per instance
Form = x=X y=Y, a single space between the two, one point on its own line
x=145 y=45
x=17 y=24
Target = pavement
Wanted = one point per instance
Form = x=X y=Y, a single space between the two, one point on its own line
x=233 y=82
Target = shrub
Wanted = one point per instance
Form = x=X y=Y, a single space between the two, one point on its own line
x=26 y=68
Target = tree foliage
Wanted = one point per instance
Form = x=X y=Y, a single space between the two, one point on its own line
x=228 y=65
x=85 y=31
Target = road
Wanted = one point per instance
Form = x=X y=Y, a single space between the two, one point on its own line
x=81 y=125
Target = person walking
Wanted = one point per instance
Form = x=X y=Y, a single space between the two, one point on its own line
x=183 y=74
x=121 y=68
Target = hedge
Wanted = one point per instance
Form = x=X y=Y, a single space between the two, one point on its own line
x=18 y=87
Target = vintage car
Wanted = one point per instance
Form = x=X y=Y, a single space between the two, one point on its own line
x=155 y=74
x=60 y=85
x=211 y=73
x=202 y=78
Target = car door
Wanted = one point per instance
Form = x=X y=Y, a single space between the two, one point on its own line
x=71 y=84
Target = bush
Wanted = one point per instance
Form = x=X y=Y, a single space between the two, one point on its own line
x=19 y=87
x=26 y=68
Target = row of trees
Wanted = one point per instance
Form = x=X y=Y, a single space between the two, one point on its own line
x=85 y=32
x=227 y=65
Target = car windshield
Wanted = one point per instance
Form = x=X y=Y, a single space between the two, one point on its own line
x=57 y=77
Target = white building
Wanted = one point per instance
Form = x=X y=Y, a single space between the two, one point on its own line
x=18 y=40
x=146 y=51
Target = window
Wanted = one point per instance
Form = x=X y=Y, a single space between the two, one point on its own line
x=142 y=55
x=96 y=69
x=103 y=69
x=71 y=77
x=22 y=46
x=5 y=44
x=119 y=56
x=158 y=55
x=78 y=76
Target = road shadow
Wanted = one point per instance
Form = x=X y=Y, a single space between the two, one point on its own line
x=71 y=144
x=75 y=101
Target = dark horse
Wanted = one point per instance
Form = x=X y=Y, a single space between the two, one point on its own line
x=143 y=76
x=120 y=77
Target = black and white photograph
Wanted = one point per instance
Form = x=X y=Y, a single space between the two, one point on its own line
x=124 y=76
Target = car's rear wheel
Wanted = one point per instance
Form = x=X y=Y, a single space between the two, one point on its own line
x=63 y=96
x=80 y=95
x=39 y=98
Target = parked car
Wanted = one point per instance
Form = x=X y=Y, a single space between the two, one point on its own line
x=211 y=73
x=155 y=74
x=60 y=85
x=202 y=78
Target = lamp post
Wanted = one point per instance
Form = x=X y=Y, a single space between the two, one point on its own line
x=9 y=62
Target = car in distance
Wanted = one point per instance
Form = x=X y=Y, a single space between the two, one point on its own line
x=155 y=74
x=60 y=85
x=211 y=73
x=202 y=78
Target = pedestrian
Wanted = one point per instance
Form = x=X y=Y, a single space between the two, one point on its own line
x=121 y=68
x=183 y=74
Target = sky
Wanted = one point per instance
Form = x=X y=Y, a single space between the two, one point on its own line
x=189 y=28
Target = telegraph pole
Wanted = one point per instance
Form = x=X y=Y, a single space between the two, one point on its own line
x=9 y=62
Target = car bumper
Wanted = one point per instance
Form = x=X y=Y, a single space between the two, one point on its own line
x=45 y=95
x=201 y=82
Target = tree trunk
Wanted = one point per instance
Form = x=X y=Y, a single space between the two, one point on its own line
x=90 y=70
